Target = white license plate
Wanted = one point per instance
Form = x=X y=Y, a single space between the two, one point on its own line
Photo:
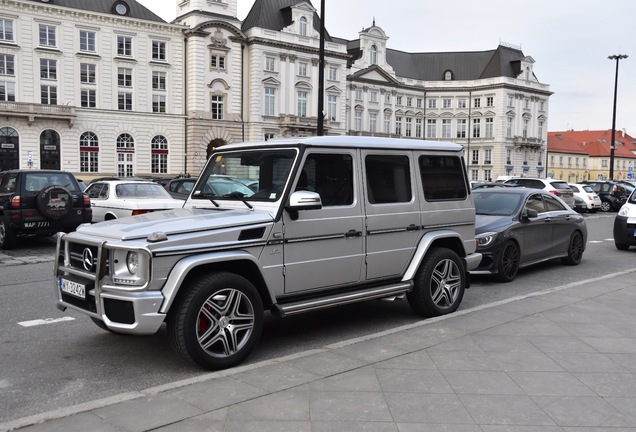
x=40 y=224
x=73 y=288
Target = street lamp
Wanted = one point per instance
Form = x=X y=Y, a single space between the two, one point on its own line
x=616 y=57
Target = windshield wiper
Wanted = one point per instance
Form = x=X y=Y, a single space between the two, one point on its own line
x=207 y=196
x=239 y=196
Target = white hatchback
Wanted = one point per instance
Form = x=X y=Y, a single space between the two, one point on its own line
x=590 y=198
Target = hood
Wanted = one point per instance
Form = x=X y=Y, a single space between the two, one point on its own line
x=485 y=223
x=173 y=221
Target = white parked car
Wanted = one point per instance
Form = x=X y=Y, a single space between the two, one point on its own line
x=591 y=200
x=556 y=187
x=114 y=199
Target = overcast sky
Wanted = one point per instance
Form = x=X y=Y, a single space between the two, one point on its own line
x=569 y=40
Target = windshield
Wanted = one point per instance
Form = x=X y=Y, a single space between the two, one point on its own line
x=258 y=175
x=496 y=204
x=36 y=181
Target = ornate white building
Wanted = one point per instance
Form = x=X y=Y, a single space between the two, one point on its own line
x=95 y=88
x=115 y=90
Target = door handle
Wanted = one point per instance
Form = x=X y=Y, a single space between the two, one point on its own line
x=353 y=233
x=412 y=227
x=547 y=220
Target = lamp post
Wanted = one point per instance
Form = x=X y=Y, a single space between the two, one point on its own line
x=321 y=73
x=617 y=57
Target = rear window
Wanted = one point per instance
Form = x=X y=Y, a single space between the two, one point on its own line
x=443 y=178
x=560 y=185
x=36 y=181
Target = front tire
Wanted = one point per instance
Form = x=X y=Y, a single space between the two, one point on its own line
x=508 y=263
x=217 y=322
x=8 y=237
x=575 y=250
x=621 y=246
x=439 y=284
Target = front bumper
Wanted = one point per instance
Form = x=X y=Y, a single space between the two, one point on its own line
x=123 y=311
x=625 y=230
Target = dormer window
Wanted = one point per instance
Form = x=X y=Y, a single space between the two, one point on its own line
x=121 y=8
x=373 y=55
x=302 y=30
x=448 y=76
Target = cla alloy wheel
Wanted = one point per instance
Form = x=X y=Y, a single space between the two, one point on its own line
x=575 y=249
x=439 y=284
x=508 y=265
x=218 y=322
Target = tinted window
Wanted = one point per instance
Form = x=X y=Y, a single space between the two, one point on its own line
x=496 y=204
x=559 y=185
x=8 y=183
x=331 y=176
x=535 y=202
x=442 y=178
x=553 y=204
x=36 y=181
x=575 y=189
x=388 y=179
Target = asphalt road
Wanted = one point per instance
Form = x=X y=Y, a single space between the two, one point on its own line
x=52 y=359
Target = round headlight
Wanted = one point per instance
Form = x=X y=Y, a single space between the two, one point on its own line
x=132 y=261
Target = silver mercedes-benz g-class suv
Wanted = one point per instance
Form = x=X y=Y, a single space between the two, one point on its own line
x=325 y=221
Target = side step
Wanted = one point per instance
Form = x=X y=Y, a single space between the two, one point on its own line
x=286 y=309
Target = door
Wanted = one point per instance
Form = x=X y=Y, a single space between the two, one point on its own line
x=324 y=248
x=98 y=194
x=393 y=214
x=562 y=227
x=537 y=232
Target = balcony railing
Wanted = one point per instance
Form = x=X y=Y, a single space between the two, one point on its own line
x=32 y=111
x=526 y=142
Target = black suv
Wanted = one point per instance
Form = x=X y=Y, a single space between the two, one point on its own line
x=613 y=195
x=40 y=202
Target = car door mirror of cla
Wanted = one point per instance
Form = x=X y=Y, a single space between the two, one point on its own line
x=529 y=213
x=303 y=200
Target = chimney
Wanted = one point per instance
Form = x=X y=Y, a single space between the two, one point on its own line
x=623 y=132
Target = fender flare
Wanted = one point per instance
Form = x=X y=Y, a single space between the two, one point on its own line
x=182 y=268
x=423 y=247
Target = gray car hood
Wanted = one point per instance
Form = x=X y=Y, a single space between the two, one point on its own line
x=174 y=221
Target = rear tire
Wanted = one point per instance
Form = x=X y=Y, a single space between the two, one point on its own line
x=217 y=322
x=439 y=284
x=606 y=206
x=575 y=250
x=8 y=237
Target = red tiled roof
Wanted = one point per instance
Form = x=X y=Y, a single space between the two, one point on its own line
x=594 y=143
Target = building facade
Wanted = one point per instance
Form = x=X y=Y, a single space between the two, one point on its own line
x=116 y=90
x=592 y=150
x=95 y=90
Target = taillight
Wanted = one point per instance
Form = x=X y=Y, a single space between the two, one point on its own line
x=15 y=201
x=87 y=200
x=138 y=212
x=590 y=197
x=554 y=192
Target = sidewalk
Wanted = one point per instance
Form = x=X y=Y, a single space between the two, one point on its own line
x=560 y=360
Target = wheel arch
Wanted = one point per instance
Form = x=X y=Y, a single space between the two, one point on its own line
x=431 y=240
x=191 y=268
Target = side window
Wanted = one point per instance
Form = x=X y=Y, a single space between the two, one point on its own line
x=552 y=204
x=93 y=191
x=331 y=176
x=388 y=179
x=4 y=183
x=535 y=203
x=442 y=178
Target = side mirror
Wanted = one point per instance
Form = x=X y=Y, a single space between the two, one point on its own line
x=530 y=213
x=303 y=200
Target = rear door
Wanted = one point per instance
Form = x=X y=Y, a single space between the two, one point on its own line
x=562 y=225
x=392 y=212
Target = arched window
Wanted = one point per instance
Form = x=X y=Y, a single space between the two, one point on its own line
x=89 y=152
x=50 y=150
x=125 y=155
x=303 y=26
x=159 y=155
x=9 y=149
x=448 y=75
x=373 y=54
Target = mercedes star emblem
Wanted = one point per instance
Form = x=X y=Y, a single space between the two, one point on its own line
x=87 y=259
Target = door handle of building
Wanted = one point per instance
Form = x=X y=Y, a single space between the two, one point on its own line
x=353 y=233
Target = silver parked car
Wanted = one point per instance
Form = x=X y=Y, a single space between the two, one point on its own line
x=333 y=220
